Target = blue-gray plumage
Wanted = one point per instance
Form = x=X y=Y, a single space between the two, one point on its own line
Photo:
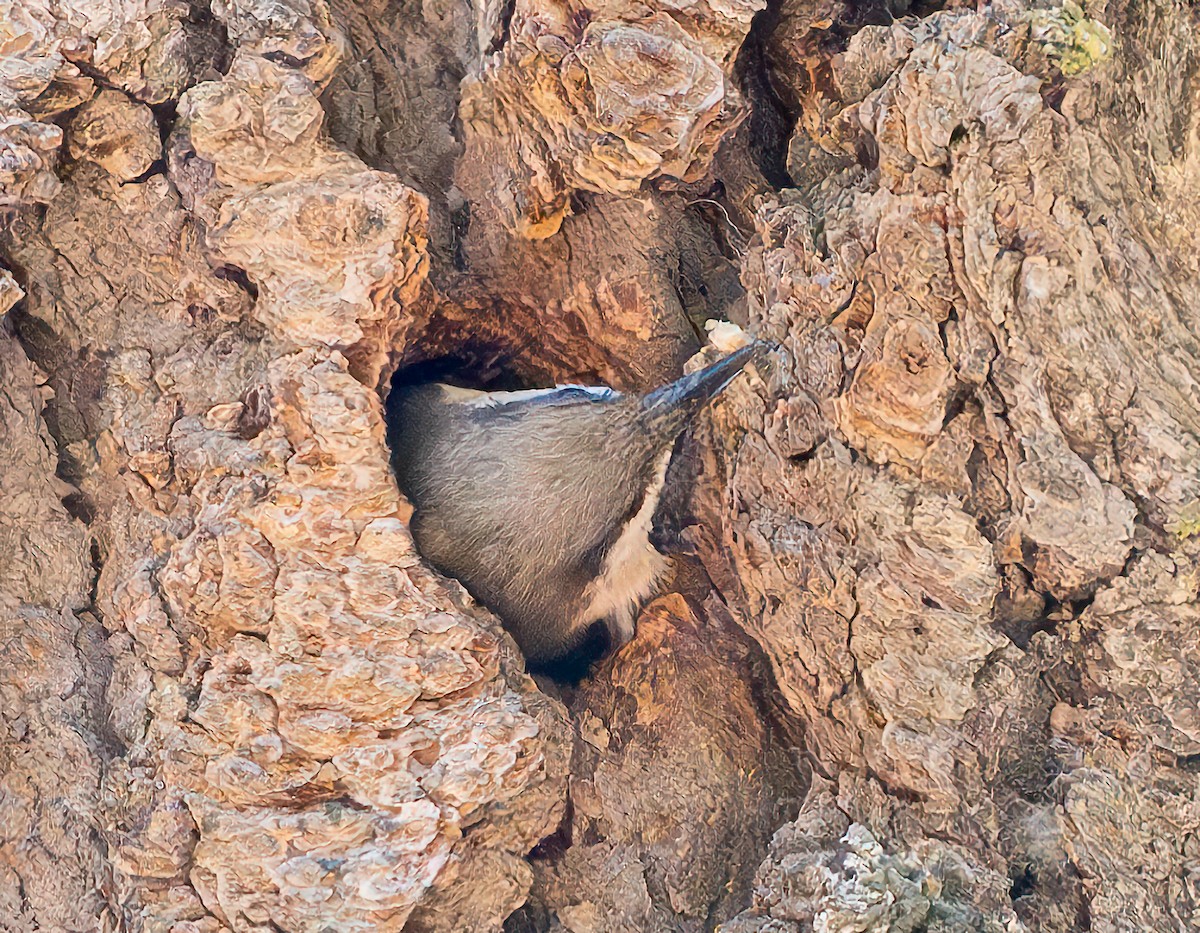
x=541 y=502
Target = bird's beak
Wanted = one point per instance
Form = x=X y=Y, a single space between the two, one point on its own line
x=692 y=392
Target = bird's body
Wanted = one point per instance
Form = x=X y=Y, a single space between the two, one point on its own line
x=541 y=502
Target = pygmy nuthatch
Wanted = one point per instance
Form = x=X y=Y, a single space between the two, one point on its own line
x=540 y=502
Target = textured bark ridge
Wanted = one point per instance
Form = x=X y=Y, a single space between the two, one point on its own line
x=597 y=99
x=928 y=657
x=303 y=724
x=985 y=428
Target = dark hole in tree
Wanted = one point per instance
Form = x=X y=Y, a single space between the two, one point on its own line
x=485 y=367
x=1024 y=881
x=571 y=670
x=770 y=121
x=1189 y=763
x=492 y=366
x=467 y=370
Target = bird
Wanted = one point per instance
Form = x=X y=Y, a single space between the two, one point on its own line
x=541 y=501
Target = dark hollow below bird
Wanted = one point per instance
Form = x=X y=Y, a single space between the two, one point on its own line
x=541 y=502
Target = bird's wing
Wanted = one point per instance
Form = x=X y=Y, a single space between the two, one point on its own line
x=559 y=395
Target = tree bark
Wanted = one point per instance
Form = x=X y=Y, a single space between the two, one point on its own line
x=927 y=658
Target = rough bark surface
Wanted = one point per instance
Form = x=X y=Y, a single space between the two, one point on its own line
x=928 y=657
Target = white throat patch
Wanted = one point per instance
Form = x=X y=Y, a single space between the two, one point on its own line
x=631 y=568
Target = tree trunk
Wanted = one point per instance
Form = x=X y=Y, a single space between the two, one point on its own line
x=928 y=656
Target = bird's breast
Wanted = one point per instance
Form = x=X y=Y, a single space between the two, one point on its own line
x=632 y=565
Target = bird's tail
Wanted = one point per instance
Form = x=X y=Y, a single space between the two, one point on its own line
x=670 y=408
